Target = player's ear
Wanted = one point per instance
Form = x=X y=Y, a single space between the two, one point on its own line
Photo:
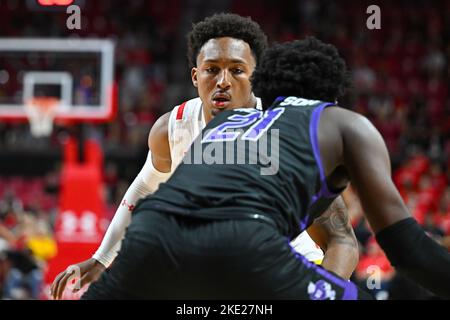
x=194 y=77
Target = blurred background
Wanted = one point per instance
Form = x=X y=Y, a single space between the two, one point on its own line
x=400 y=77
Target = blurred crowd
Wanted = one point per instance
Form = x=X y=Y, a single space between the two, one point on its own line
x=27 y=213
x=400 y=76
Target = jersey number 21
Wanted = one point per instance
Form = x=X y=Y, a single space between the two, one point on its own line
x=259 y=122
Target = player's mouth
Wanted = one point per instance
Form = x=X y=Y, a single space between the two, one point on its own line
x=221 y=100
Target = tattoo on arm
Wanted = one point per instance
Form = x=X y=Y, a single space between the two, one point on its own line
x=336 y=223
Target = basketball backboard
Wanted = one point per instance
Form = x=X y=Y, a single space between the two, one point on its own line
x=77 y=72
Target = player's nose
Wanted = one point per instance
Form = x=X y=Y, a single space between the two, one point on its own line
x=224 y=80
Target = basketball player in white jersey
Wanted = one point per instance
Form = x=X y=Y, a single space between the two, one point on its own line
x=223 y=51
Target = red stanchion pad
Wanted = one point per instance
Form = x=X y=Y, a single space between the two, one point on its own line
x=78 y=229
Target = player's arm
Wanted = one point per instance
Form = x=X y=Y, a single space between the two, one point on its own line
x=408 y=248
x=155 y=170
x=333 y=232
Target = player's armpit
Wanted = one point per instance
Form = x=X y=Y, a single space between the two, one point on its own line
x=158 y=143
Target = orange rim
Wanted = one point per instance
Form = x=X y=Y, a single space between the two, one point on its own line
x=43 y=103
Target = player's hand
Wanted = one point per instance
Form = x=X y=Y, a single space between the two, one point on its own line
x=88 y=271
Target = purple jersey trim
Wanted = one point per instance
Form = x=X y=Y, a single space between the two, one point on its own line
x=313 y=130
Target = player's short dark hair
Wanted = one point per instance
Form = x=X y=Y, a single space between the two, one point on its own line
x=226 y=25
x=306 y=68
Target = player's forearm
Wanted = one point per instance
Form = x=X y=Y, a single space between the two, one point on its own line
x=341 y=248
x=144 y=184
x=111 y=241
x=417 y=256
x=341 y=258
x=333 y=232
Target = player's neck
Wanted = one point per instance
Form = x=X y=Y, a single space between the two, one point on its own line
x=207 y=116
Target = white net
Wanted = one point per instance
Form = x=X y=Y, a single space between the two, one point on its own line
x=41 y=112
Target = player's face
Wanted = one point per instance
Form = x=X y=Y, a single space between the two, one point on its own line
x=222 y=75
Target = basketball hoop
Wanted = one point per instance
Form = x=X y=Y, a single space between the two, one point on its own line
x=41 y=113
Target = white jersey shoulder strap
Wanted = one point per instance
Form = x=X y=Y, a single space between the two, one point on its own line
x=185 y=123
x=258 y=103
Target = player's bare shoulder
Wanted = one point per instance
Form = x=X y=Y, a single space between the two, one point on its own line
x=159 y=132
x=158 y=143
x=342 y=134
x=338 y=117
x=345 y=126
x=355 y=130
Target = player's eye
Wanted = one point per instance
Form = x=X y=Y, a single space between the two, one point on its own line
x=211 y=70
x=237 y=71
